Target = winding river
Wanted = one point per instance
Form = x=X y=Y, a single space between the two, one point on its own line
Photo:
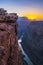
x=26 y=58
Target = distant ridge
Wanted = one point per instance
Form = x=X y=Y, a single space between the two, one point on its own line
x=23 y=22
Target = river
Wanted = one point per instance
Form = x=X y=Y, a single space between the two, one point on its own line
x=26 y=58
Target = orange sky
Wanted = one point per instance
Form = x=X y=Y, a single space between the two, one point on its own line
x=34 y=16
x=33 y=9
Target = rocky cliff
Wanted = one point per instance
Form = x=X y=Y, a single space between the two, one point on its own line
x=10 y=53
x=32 y=42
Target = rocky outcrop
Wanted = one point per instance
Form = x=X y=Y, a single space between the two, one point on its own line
x=10 y=53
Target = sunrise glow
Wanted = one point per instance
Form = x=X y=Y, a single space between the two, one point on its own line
x=34 y=16
x=32 y=9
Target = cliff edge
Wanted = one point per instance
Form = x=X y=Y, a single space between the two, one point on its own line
x=10 y=53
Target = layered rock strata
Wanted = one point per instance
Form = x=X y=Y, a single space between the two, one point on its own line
x=10 y=53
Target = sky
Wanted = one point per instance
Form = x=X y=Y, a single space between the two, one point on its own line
x=33 y=9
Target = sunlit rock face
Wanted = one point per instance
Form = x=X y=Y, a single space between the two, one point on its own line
x=10 y=53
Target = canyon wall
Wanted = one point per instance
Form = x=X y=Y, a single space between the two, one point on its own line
x=10 y=53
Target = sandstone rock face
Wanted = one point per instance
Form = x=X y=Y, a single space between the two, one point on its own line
x=10 y=54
